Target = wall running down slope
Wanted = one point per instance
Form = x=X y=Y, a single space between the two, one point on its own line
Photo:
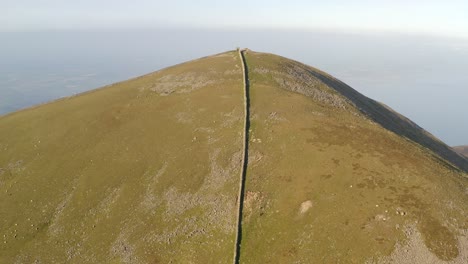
x=245 y=157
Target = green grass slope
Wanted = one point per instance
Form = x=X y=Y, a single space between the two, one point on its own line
x=143 y=171
x=326 y=183
x=147 y=171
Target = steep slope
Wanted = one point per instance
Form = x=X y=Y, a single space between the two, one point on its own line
x=463 y=150
x=143 y=171
x=392 y=120
x=328 y=184
x=148 y=171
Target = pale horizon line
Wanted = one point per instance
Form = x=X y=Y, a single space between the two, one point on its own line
x=339 y=30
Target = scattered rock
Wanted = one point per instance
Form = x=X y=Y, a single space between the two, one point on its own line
x=414 y=250
x=400 y=211
x=305 y=206
x=381 y=217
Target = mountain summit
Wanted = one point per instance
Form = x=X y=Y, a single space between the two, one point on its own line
x=240 y=156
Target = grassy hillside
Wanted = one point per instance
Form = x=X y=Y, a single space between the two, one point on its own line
x=143 y=171
x=326 y=184
x=462 y=150
x=147 y=171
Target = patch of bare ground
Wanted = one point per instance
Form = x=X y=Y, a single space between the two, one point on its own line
x=181 y=83
x=305 y=207
x=184 y=118
x=254 y=203
x=233 y=72
x=179 y=206
x=414 y=250
x=231 y=118
x=11 y=169
x=275 y=117
x=150 y=201
x=295 y=78
x=55 y=227
x=255 y=157
x=123 y=249
x=104 y=207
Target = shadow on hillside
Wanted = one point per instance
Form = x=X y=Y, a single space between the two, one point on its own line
x=393 y=121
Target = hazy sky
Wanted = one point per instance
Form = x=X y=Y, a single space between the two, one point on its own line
x=409 y=16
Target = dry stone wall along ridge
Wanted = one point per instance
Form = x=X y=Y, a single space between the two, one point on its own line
x=245 y=142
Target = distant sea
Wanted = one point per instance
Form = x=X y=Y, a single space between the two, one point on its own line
x=422 y=77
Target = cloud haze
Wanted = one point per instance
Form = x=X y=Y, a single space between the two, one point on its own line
x=427 y=17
